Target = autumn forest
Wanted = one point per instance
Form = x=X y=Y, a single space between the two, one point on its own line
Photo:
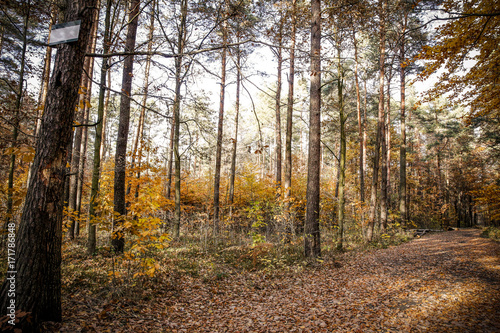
x=175 y=164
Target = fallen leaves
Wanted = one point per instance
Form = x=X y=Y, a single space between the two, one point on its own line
x=447 y=282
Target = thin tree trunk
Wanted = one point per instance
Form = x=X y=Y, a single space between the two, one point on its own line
x=402 y=150
x=46 y=74
x=80 y=146
x=103 y=147
x=99 y=135
x=139 y=138
x=236 y=120
x=170 y=158
x=220 y=127
x=343 y=153
x=388 y=135
x=120 y=208
x=37 y=265
x=289 y=116
x=178 y=81
x=277 y=130
x=360 y=124
x=312 y=245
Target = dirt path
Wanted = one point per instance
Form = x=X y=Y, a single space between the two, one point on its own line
x=445 y=282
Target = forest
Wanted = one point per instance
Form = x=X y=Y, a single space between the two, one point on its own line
x=226 y=148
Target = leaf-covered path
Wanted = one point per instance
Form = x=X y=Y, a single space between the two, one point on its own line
x=444 y=282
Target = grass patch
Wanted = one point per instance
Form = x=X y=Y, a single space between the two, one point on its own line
x=492 y=233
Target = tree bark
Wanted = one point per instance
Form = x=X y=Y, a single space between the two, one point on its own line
x=99 y=133
x=360 y=124
x=38 y=240
x=139 y=138
x=379 y=136
x=342 y=157
x=277 y=128
x=312 y=245
x=289 y=116
x=220 y=127
x=120 y=208
x=236 y=120
x=178 y=82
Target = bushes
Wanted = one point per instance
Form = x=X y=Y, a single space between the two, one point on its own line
x=491 y=232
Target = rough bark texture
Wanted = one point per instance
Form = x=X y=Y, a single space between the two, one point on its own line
x=312 y=246
x=118 y=238
x=376 y=157
x=402 y=149
x=38 y=240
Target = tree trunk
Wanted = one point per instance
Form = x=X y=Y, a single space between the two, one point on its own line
x=79 y=149
x=360 y=124
x=236 y=119
x=176 y=120
x=46 y=73
x=342 y=157
x=37 y=265
x=139 y=138
x=380 y=138
x=99 y=133
x=289 y=117
x=170 y=158
x=120 y=208
x=402 y=149
x=220 y=127
x=277 y=128
x=312 y=245
x=388 y=138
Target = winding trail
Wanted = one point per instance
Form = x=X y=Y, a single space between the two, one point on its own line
x=443 y=282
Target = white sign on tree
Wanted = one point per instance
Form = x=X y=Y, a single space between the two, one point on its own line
x=65 y=33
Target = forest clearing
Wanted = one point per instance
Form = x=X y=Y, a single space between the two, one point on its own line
x=249 y=165
x=442 y=282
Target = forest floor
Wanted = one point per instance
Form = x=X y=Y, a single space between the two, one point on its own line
x=442 y=282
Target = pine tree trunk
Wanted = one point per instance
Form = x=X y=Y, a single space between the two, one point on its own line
x=38 y=240
x=360 y=124
x=312 y=245
x=379 y=136
x=220 y=127
x=289 y=117
x=402 y=150
x=120 y=208
x=277 y=128
x=139 y=138
x=236 y=119
x=78 y=154
x=342 y=155
x=176 y=120
x=99 y=133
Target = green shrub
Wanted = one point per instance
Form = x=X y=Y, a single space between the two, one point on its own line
x=491 y=232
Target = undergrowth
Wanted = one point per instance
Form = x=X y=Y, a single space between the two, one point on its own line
x=492 y=233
